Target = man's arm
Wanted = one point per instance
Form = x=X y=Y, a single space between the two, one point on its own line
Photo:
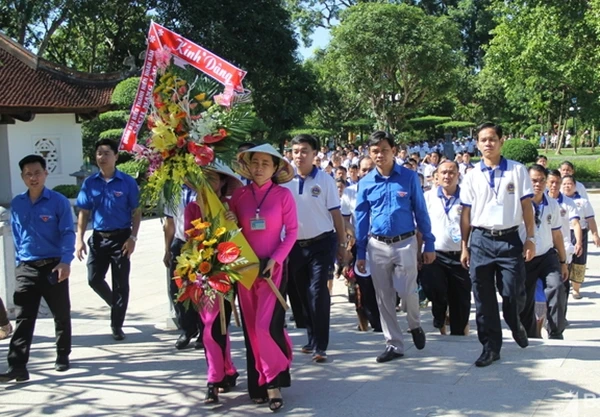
x=169 y=230
x=559 y=245
x=465 y=233
x=340 y=228
x=136 y=219
x=82 y=222
x=529 y=219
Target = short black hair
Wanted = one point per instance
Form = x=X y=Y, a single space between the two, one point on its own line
x=341 y=181
x=379 y=136
x=107 y=142
x=308 y=139
x=341 y=168
x=245 y=146
x=539 y=168
x=449 y=161
x=353 y=166
x=489 y=125
x=541 y=157
x=32 y=159
x=569 y=164
x=572 y=178
x=554 y=173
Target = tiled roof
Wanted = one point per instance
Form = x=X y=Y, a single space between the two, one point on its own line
x=32 y=84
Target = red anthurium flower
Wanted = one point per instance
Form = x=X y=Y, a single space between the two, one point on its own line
x=181 y=141
x=227 y=252
x=220 y=282
x=196 y=293
x=204 y=155
x=178 y=282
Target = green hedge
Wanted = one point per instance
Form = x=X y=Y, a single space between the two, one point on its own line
x=68 y=190
x=136 y=168
x=124 y=93
x=586 y=170
x=520 y=150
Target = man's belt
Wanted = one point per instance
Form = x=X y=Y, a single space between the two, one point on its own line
x=449 y=253
x=497 y=233
x=42 y=262
x=307 y=242
x=389 y=240
x=112 y=233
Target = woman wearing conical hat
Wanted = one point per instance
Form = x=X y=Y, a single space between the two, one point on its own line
x=222 y=374
x=266 y=213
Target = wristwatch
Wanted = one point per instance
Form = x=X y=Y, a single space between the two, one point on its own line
x=531 y=239
x=134 y=238
x=563 y=262
x=344 y=245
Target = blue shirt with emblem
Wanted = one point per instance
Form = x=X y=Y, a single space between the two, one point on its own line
x=111 y=202
x=42 y=229
x=390 y=206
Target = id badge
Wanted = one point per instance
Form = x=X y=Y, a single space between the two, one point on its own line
x=496 y=214
x=454 y=232
x=258 y=224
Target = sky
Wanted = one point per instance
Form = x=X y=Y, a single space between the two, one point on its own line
x=320 y=40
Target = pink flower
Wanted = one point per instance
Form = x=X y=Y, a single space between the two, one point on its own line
x=163 y=58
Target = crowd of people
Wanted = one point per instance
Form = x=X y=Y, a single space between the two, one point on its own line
x=400 y=224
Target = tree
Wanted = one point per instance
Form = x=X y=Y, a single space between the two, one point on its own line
x=542 y=56
x=257 y=36
x=394 y=57
x=85 y=35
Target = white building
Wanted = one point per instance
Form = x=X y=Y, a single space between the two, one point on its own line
x=41 y=108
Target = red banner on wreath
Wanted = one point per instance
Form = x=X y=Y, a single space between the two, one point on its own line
x=185 y=50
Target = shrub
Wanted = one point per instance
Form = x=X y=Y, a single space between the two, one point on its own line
x=520 y=150
x=586 y=170
x=136 y=168
x=124 y=93
x=68 y=190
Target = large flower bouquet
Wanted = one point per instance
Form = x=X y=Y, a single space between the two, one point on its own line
x=191 y=123
x=207 y=265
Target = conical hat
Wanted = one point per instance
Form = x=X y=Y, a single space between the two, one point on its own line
x=233 y=182
x=284 y=173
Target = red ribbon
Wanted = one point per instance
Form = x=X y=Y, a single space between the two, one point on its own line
x=187 y=51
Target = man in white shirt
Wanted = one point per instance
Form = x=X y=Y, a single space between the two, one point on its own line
x=321 y=234
x=496 y=199
x=550 y=262
x=445 y=282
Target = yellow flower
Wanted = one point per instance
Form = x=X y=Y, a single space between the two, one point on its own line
x=200 y=97
x=220 y=231
x=209 y=242
x=199 y=224
x=206 y=104
x=207 y=253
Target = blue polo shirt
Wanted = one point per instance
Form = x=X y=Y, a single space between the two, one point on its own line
x=43 y=229
x=111 y=202
x=389 y=207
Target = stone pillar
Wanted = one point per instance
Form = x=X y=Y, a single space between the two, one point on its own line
x=7 y=263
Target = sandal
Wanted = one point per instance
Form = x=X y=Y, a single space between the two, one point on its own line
x=212 y=394
x=230 y=381
x=275 y=403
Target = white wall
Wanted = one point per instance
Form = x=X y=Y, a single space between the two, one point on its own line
x=62 y=130
x=5 y=186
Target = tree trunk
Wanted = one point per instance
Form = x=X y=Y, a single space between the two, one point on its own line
x=593 y=138
x=561 y=133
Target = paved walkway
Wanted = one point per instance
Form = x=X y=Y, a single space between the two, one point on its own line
x=146 y=376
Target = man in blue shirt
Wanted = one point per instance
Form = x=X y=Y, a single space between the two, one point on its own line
x=389 y=201
x=44 y=237
x=111 y=198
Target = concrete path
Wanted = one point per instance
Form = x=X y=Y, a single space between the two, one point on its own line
x=146 y=376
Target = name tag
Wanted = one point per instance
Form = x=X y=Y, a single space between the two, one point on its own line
x=496 y=214
x=258 y=224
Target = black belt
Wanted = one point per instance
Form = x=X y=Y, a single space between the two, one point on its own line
x=449 y=253
x=112 y=233
x=497 y=233
x=307 y=242
x=42 y=262
x=390 y=240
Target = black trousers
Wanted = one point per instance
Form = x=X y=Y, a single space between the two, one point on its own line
x=188 y=320
x=497 y=262
x=547 y=268
x=448 y=285
x=105 y=252
x=309 y=269
x=33 y=284
x=368 y=302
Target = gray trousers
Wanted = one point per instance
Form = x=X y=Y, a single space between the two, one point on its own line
x=394 y=269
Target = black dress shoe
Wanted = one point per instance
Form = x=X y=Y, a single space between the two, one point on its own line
x=16 y=374
x=520 y=337
x=199 y=344
x=487 y=358
x=556 y=336
x=183 y=341
x=418 y=336
x=117 y=333
x=62 y=363
x=389 y=354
